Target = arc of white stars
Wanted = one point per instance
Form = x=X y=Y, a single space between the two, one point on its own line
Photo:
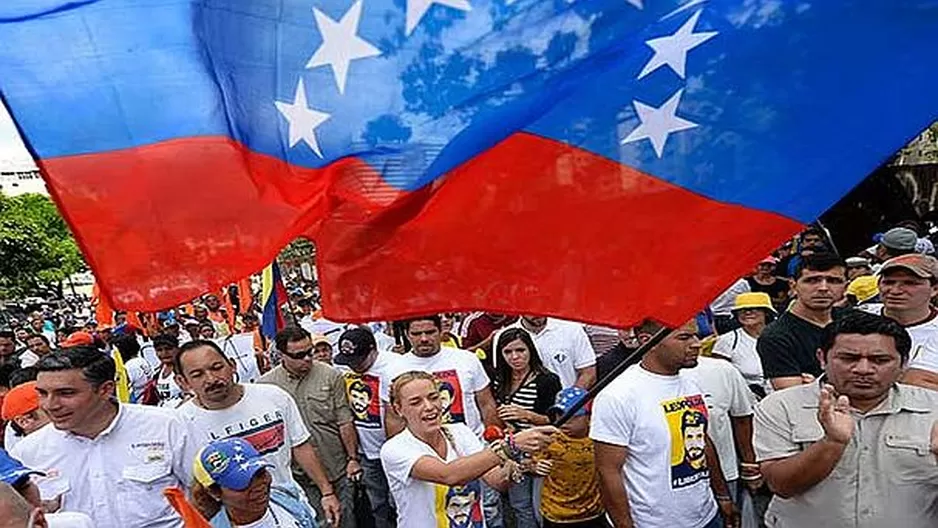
x=302 y=119
x=341 y=43
x=416 y=9
x=672 y=50
x=658 y=123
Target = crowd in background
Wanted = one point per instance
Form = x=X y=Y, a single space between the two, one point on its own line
x=802 y=396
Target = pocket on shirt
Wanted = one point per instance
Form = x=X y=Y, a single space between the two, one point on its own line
x=142 y=486
x=910 y=458
x=319 y=408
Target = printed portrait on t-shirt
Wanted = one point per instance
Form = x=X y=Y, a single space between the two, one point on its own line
x=365 y=400
x=459 y=506
x=451 y=396
x=687 y=423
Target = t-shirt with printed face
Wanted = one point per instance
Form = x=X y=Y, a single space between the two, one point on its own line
x=662 y=421
x=460 y=374
x=422 y=504
x=266 y=416
x=364 y=396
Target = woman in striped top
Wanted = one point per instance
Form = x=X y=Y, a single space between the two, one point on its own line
x=525 y=390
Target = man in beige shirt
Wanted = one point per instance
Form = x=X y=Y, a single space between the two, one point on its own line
x=319 y=391
x=856 y=449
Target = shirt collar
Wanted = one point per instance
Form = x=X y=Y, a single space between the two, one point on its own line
x=107 y=430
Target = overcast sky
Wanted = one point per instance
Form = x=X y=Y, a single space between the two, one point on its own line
x=13 y=155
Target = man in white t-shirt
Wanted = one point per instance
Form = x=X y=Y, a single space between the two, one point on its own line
x=729 y=406
x=563 y=347
x=657 y=467
x=264 y=415
x=168 y=391
x=367 y=371
x=907 y=285
x=464 y=386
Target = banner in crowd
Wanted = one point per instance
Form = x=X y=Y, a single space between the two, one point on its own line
x=601 y=159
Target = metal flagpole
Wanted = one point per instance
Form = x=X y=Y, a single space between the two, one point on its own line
x=630 y=360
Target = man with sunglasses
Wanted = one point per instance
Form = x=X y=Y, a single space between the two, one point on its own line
x=320 y=394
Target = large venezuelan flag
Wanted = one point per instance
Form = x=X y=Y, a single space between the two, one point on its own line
x=600 y=159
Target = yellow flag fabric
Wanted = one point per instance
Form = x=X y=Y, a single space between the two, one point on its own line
x=123 y=380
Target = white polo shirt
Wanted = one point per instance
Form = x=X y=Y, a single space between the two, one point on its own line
x=118 y=477
x=563 y=347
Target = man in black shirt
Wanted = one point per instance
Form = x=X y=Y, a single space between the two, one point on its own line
x=788 y=347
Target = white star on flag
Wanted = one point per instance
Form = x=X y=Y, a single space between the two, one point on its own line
x=417 y=8
x=658 y=123
x=672 y=50
x=303 y=120
x=239 y=457
x=341 y=43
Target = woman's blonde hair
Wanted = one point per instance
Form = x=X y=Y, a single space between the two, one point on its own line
x=403 y=379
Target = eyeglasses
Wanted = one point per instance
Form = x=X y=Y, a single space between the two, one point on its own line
x=303 y=354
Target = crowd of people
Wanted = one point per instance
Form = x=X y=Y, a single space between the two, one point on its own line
x=805 y=395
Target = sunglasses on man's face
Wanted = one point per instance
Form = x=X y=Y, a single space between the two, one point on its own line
x=302 y=354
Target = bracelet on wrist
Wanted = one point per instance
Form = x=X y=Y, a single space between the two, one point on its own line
x=330 y=494
x=750 y=478
x=500 y=448
x=513 y=451
x=749 y=465
x=723 y=498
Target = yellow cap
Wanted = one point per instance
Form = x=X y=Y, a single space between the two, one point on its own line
x=864 y=288
x=753 y=300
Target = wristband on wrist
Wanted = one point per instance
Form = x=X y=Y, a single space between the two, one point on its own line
x=330 y=494
x=724 y=498
x=749 y=465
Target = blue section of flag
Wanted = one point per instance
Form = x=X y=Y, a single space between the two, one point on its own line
x=783 y=107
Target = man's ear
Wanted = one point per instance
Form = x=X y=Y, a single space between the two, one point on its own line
x=822 y=358
x=106 y=389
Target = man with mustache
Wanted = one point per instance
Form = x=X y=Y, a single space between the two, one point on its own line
x=787 y=346
x=859 y=449
x=264 y=415
x=907 y=285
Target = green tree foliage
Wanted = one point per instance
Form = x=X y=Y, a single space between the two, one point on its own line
x=37 y=250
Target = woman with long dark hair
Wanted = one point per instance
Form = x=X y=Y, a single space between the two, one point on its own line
x=524 y=390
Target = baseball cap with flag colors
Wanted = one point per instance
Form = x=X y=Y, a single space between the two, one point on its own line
x=231 y=463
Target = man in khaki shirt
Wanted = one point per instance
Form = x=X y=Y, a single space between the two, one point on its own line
x=856 y=449
x=319 y=391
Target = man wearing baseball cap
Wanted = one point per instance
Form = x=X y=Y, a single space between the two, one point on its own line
x=21 y=408
x=367 y=372
x=907 y=285
x=231 y=475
